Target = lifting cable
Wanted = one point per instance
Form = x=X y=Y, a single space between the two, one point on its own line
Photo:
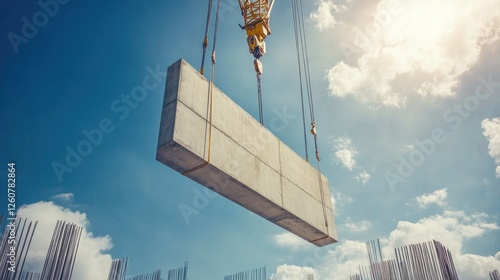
x=212 y=79
x=300 y=78
x=211 y=82
x=303 y=59
x=205 y=40
x=259 y=96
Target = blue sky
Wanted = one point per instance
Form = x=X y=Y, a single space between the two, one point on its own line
x=407 y=106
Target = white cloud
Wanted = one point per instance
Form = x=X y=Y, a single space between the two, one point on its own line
x=412 y=46
x=343 y=198
x=492 y=133
x=474 y=267
x=334 y=203
x=66 y=197
x=437 y=197
x=343 y=261
x=345 y=152
x=451 y=228
x=346 y=157
x=363 y=177
x=92 y=262
x=360 y=226
x=339 y=200
x=291 y=241
x=323 y=17
x=291 y=272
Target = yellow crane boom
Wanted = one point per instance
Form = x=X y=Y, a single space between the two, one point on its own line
x=256 y=24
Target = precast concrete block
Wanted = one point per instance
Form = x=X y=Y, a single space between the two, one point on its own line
x=225 y=149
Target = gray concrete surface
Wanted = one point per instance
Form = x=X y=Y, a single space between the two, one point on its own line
x=248 y=164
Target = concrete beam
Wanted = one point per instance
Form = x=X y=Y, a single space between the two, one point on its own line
x=248 y=164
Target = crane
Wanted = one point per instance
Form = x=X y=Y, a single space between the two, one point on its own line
x=256 y=15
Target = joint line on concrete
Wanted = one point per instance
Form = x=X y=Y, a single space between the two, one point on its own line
x=210 y=97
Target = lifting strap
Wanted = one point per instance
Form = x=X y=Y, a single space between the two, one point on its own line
x=303 y=63
x=205 y=40
x=259 y=96
x=210 y=92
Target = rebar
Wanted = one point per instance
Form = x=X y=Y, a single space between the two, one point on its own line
x=424 y=261
x=62 y=252
x=178 y=273
x=494 y=275
x=253 y=274
x=15 y=243
x=156 y=275
x=118 y=269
